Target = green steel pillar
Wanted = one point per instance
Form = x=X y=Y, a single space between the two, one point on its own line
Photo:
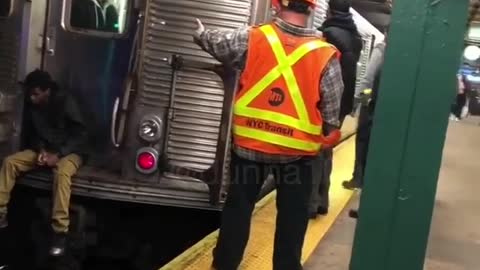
x=411 y=118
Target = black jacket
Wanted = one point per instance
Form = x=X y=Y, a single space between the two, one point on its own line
x=341 y=31
x=59 y=127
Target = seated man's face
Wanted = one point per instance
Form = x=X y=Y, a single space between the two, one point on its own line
x=39 y=96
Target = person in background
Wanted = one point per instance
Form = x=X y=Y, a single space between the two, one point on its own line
x=285 y=110
x=369 y=85
x=340 y=30
x=55 y=136
x=460 y=100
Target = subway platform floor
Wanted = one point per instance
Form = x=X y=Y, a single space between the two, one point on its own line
x=454 y=242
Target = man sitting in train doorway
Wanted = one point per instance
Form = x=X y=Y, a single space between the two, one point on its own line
x=55 y=135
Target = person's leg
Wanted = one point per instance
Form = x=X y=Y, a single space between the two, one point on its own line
x=62 y=182
x=457 y=108
x=322 y=169
x=12 y=167
x=453 y=109
x=353 y=213
x=315 y=199
x=360 y=142
x=461 y=101
x=294 y=188
x=327 y=166
x=247 y=178
x=365 y=147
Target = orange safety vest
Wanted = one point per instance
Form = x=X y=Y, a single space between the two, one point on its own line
x=275 y=109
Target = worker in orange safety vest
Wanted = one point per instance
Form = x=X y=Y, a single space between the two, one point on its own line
x=285 y=110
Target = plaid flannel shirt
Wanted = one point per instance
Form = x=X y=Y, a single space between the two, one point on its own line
x=230 y=48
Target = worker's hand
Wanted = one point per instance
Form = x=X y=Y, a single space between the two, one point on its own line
x=51 y=159
x=365 y=96
x=200 y=29
x=41 y=158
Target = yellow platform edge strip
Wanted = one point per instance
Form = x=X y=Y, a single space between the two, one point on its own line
x=209 y=241
x=260 y=247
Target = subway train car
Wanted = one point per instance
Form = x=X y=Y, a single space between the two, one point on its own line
x=158 y=114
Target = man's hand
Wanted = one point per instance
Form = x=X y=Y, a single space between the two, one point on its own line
x=47 y=159
x=199 y=30
x=41 y=158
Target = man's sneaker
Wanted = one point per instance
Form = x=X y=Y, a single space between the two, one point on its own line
x=350 y=185
x=3 y=221
x=59 y=244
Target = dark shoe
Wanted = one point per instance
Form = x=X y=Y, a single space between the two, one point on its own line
x=59 y=244
x=322 y=210
x=312 y=215
x=3 y=221
x=351 y=185
x=353 y=213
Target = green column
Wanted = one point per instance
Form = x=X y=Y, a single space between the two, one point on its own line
x=411 y=118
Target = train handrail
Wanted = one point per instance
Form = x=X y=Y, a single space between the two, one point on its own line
x=114 y=123
x=117 y=138
x=215 y=171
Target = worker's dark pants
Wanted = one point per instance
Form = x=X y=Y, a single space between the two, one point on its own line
x=294 y=186
x=322 y=168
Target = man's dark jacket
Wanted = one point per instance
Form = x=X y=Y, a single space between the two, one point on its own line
x=341 y=31
x=59 y=127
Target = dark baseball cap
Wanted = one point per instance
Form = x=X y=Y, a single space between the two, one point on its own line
x=340 y=5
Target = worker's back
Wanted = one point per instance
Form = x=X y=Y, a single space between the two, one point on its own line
x=280 y=90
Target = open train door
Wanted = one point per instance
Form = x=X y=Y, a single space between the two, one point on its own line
x=87 y=50
x=14 y=60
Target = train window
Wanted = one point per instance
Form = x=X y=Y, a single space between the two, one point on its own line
x=108 y=16
x=5 y=8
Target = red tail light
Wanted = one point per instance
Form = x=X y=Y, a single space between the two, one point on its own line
x=146 y=161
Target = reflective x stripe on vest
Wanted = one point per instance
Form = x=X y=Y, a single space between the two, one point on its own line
x=284 y=68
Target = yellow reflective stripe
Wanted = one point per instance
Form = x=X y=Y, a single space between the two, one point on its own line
x=288 y=75
x=284 y=66
x=272 y=138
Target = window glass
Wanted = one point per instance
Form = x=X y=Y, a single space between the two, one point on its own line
x=100 y=15
x=5 y=6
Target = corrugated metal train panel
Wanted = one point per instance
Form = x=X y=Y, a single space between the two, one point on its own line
x=320 y=13
x=199 y=94
x=9 y=42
